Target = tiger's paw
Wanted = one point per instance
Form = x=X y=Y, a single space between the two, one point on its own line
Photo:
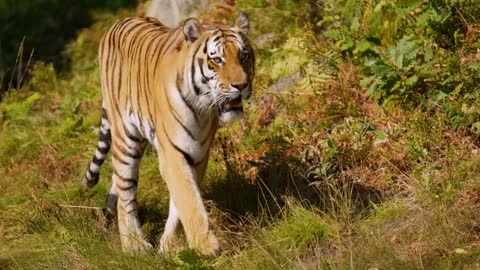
x=135 y=244
x=209 y=245
x=169 y=243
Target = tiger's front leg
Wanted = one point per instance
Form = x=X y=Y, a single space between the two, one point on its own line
x=186 y=205
x=126 y=154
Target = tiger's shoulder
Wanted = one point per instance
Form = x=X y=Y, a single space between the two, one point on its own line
x=133 y=31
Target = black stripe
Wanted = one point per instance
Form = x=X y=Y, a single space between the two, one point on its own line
x=130 y=135
x=112 y=56
x=126 y=152
x=104 y=114
x=153 y=40
x=140 y=119
x=134 y=39
x=152 y=133
x=122 y=35
x=133 y=181
x=98 y=161
x=133 y=208
x=137 y=54
x=231 y=36
x=157 y=53
x=177 y=118
x=187 y=157
x=119 y=159
x=195 y=87
x=172 y=42
x=188 y=131
x=105 y=137
x=94 y=176
x=160 y=49
x=147 y=100
x=184 y=99
x=205 y=79
x=205 y=47
x=179 y=45
x=103 y=150
x=172 y=32
x=125 y=188
x=125 y=21
x=129 y=200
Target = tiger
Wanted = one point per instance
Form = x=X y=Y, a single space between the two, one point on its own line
x=172 y=89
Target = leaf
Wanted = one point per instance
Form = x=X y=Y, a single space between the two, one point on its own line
x=355 y=26
x=366 y=81
x=404 y=51
x=363 y=46
x=411 y=81
x=374 y=87
x=476 y=128
x=347 y=45
x=381 y=70
x=458 y=88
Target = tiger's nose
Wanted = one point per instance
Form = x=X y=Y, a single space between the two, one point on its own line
x=241 y=86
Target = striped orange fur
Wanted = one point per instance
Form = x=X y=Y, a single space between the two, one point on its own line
x=170 y=88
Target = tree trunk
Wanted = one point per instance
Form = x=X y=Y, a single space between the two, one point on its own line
x=172 y=12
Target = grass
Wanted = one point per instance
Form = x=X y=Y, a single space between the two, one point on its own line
x=318 y=177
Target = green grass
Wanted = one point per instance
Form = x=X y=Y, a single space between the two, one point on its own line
x=320 y=177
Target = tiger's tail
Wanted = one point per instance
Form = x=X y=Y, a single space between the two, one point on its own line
x=104 y=142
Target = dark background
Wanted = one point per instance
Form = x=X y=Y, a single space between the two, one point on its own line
x=47 y=26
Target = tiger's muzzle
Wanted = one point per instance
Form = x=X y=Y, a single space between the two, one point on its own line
x=231 y=105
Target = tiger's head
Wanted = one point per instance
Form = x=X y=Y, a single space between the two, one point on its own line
x=222 y=66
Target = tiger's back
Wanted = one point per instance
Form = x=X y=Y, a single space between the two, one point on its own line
x=130 y=57
x=169 y=88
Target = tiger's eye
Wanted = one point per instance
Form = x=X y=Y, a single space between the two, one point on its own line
x=217 y=60
x=244 y=56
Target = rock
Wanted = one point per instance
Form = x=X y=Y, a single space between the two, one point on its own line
x=263 y=39
x=285 y=83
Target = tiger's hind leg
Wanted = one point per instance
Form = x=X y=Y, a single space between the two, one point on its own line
x=126 y=154
x=111 y=202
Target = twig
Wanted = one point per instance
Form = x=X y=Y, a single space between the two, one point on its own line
x=80 y=206
x=28 y=65
x=19 y=55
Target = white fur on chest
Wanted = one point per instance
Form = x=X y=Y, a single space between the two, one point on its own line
x=191 y=134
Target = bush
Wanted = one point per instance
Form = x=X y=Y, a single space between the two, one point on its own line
x=415 y=54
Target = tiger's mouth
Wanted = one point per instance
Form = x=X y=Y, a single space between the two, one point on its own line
x=231 y=105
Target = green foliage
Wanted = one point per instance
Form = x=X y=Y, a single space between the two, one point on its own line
x=413 y=53
x=300 y=228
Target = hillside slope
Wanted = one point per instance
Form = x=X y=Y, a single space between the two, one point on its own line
x=359 y=150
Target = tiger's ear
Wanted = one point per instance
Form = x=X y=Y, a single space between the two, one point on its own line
x=242 y=22
x=192 y=29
